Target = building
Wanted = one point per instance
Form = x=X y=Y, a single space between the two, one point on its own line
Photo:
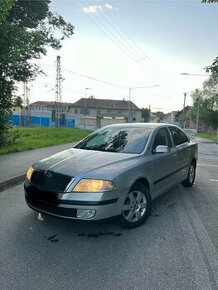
x=88 y=113
x=170 y=118
x=101 y=112
x=183 y=118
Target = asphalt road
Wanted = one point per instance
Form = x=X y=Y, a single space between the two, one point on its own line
x=175 y=249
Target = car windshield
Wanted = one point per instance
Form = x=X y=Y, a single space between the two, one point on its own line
x=114 y=139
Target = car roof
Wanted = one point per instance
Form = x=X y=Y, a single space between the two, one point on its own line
x=144 y=125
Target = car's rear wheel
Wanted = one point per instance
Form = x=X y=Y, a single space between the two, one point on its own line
x=188 y=182
x=137 y=206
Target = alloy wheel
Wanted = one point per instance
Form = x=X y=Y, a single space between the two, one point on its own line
x=135 y=206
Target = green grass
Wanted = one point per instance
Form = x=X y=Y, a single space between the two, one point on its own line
x=211 y=136
x=22 y=139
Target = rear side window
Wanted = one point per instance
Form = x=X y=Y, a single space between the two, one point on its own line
x=179 y=137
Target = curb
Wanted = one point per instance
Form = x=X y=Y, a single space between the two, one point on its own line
x=12 y=181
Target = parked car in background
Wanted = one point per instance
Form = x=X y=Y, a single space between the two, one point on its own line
x=115 y=171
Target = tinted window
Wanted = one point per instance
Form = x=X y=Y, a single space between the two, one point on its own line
x=162 y=138
x=179 y=136
x=115 y=139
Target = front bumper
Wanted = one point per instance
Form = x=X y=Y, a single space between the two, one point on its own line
x=66 y=205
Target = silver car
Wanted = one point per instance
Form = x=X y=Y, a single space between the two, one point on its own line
x=115 y=171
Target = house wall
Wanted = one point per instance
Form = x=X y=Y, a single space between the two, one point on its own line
x=91 y=118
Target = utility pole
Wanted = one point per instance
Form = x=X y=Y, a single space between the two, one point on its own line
x=25 y=103
x=85 y=107
x=130 y=91
x=183 y=115
x=197 y=119
x=58 y=91
x=198 y=108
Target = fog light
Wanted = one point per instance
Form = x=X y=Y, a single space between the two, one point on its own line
x=85 y=213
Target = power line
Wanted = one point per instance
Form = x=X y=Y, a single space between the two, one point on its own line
x=88 y=77
x=70 y=90
x=125 y=47
x=137 y=50
x=140 y=51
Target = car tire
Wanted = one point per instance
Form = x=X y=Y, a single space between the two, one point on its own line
x=188 y=182
x=137 y=206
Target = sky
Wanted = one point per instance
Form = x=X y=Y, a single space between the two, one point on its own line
x=142 y=45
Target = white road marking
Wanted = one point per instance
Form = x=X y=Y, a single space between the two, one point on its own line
x=207 y=165
x=204 y=157
x=214 y=180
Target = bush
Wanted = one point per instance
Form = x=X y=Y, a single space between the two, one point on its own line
x=10 y=138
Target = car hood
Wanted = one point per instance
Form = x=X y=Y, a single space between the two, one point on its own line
x=73 y=161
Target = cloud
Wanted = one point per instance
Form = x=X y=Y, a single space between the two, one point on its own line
x=108 y=6
x=92 y=9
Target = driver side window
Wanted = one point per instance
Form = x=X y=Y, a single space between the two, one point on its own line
x=162 y=138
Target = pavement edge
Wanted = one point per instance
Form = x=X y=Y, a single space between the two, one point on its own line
x=12 y=181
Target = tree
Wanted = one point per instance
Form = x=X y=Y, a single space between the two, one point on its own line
x=27 y=29
x=5 y=107
x=160 y=116
x=210 y=93
x=209 y=1
x=207 y=100
x=146 y=114
x=18 y=102
x=213 y=68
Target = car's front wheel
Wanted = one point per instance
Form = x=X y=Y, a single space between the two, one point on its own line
x=188 y=182
x=137 y=206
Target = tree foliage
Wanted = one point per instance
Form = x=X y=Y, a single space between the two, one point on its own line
x=209 y=1
x=213 y=68
x=160 y=116
x=146 y=114
x=207 y=99
x=18 y=102
x=27 y=29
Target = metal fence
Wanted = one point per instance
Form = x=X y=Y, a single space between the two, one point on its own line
x=20 y=120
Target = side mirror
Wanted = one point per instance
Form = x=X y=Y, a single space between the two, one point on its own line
x=161 y=149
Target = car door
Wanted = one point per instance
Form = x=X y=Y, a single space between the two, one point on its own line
x=183 y=151
x=163 y=164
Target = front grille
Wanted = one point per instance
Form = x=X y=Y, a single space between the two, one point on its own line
x=46 y=201
x=50 y=180
x=59 y=211
x=36 y=195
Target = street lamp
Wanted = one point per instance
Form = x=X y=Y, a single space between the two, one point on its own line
x=183 y=113
x=198 y=75
x=86 y=89
x=130 y=92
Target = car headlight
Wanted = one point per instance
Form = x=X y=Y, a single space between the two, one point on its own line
x=29 y=173
x=94 y=185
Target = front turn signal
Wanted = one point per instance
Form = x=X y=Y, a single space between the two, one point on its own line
x=29 y=173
